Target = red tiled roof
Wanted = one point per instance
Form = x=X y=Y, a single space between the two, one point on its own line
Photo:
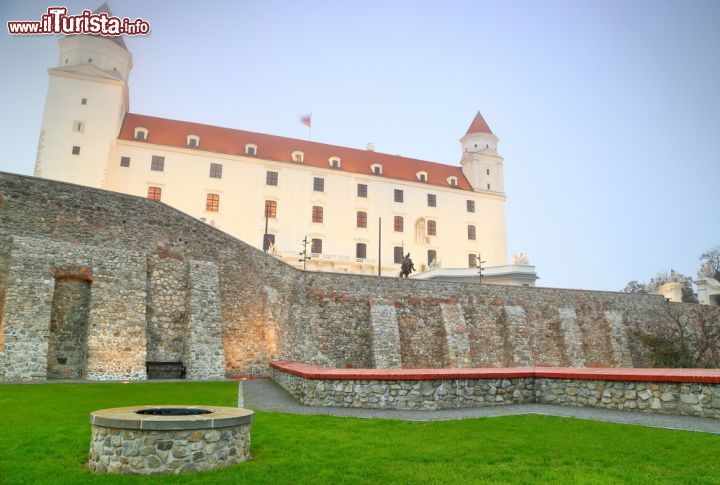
x=228 y=141
x=479 y=125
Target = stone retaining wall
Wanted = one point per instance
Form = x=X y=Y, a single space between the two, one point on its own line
x=684 y=392
x=684 y=398
x=418 y=395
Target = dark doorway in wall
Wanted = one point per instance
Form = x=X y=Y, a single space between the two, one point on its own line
x=67 y=343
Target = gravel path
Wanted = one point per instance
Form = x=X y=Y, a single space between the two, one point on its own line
x=265 y=395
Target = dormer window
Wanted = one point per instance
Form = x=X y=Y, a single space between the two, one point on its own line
x=334 y=162
x=422 y=176
x=298 y=156
x=376 y=168
x=251 y=149
x=193 y=141
x=140 y=134
x=452 y=181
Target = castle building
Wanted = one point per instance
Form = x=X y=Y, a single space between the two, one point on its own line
x=357 y=209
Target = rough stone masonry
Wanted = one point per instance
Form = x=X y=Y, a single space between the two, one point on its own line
x=159 y=285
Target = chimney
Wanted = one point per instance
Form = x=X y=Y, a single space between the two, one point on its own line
x=371 y=147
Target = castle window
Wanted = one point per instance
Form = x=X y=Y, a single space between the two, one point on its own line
x=317 y=214
x=397 y=254
x=361 y=250
x=76 y=150
x=399 y=224
x=154 y=193
x=78 y=126
x=361 y=219
x=271 y=178
x=298 y=156
x=488 y=186
x=316 y=246
x=250 y=149
x=193 y=141
x=472 y=260
x=422 y=176
x=319 y=184
x=361 y=190
x=432 y=256
x=270 y=209
x=432 y=200
x=140 y=134
x=334 y=162
x=431 y=228
x=471 y=206
x=216 y=170
x=83 y=101
x=376 y=168
x=399 y=196
x=452 y=181
x=269 y=240
x=471 y=232
x=212 y=204
x=487 y=171
x=124 y=161
x=158 y=163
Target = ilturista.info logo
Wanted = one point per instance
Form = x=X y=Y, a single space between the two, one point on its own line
x=57 y=21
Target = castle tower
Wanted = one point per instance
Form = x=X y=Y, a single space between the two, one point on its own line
x=480 y=162
x=86 y=102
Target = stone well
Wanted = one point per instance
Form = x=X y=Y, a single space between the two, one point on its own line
x=168 y=439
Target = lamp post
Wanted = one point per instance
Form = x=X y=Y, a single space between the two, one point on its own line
x=304 y=253
x=480 y=267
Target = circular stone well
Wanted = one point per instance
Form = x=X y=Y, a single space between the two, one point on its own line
x=168 y=439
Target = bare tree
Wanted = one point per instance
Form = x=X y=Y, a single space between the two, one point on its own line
x=684 y=339
x=710 y=264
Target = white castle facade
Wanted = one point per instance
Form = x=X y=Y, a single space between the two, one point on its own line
x=355 y=207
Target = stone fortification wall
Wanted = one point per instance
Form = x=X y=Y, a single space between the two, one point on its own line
x=164 y=264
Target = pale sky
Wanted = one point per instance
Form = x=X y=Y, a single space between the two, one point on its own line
x=608 y=112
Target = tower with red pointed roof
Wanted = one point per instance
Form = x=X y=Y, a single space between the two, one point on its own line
x=481 y=164
x=86 y=102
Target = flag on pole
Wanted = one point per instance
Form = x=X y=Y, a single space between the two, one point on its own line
x=306 y=120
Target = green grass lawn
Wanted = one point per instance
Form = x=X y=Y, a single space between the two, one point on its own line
x=45 y=437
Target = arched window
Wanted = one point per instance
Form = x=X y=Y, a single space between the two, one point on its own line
x=298 y=156
x=140 y=134
x=154 y=193
x=334 y=162
x=193 y=141
x=212 y=204
x=472 y=260
x=270 y=209
x=251 y=149
x=422 y=176
x=376 y=168
x=317 y=214
x=452 y=181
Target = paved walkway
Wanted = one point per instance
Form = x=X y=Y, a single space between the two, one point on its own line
x=265 y=395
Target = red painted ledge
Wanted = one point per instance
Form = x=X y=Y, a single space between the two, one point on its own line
x=707 y=376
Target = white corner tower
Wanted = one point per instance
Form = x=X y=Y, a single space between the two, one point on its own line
x=86 y=102
x=481 y=164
